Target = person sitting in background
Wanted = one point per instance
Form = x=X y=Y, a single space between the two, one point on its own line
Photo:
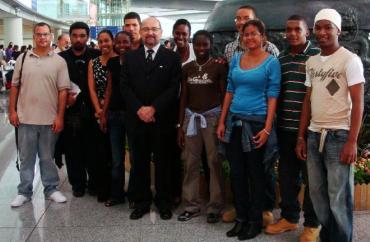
x=23 y=48
x=16 y=52
x=9 y=51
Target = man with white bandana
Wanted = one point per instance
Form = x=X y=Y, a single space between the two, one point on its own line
x=332 y=111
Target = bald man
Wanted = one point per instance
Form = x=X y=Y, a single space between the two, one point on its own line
x=63 y=43
x=150 y=83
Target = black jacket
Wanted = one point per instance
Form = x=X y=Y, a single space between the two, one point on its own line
x=151 y=84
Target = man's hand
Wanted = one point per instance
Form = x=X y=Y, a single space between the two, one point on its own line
x=301 y=149
x=221 y=60
x=348 y=154
x=58 y=124
x=146 y=114
x=13 y=118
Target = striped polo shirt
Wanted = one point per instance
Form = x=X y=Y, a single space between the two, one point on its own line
x=293 y=90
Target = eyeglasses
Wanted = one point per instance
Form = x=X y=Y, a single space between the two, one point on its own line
x=39 y=35
x=154 y=29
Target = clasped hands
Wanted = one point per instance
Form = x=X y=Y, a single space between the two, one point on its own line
x=146 y=114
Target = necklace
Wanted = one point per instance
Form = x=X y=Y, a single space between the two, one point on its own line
x=200 y=66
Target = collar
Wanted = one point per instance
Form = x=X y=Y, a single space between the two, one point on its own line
x=304 y=51
x=238 y=44
x=155 y=48
x=32 y=53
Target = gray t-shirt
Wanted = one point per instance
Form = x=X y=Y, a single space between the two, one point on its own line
x=42 y=79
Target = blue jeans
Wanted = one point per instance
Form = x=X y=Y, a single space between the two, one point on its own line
x=331 y=186
x=37 y=140
x=117 y=135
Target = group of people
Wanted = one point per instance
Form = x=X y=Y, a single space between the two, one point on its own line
x=305 y=102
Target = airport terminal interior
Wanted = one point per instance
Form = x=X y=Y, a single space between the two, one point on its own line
x=83 y=218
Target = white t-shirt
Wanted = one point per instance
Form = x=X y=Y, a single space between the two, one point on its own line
x=191 y=54
x=329 y=77
x=354 y=71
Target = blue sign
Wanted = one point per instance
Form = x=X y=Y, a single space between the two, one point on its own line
x=34 y=5
x=95 y=30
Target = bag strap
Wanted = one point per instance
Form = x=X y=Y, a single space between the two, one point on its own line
x=21 y=71
x=16 y=129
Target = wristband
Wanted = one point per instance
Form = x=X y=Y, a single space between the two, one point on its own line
x=264 y=130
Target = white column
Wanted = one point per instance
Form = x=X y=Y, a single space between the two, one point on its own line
x=13 y=31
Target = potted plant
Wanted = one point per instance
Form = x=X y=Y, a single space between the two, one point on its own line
x=362 y=180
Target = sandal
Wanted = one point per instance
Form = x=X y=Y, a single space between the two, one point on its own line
x=185 y=216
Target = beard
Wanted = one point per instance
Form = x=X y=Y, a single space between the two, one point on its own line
x=78 y=46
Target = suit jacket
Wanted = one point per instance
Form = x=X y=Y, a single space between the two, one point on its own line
x=151 y=84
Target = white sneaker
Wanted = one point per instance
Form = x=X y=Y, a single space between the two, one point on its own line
x=19 y=200
x=57 y=197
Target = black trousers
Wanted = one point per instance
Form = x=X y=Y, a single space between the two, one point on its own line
x=248 y=179
x=291 y=172
x=151 y=142
x=83 y=153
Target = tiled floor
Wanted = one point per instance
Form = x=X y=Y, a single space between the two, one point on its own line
x=83 y=219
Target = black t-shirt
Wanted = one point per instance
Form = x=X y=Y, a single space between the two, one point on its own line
x=116 y=100
x=77 y=69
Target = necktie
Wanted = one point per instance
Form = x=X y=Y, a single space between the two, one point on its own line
x=149 y=57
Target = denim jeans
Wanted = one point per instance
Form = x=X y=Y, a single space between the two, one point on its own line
x=117 y=135
x=248 y=178
x=37 y=140
x=291 y=172
x=331 y=186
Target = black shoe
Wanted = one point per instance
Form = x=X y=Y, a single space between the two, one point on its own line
x=185 y=216
x=235 y=230
x=91 y=192
x=78 y=193
x=131 y=205
x=165 y=214
x=213 y=218
x=139 y=213
x=250 y=231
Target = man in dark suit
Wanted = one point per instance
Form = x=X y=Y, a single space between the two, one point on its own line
x=150 y=83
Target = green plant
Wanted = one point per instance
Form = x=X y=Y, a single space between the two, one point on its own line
x=362 y=168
